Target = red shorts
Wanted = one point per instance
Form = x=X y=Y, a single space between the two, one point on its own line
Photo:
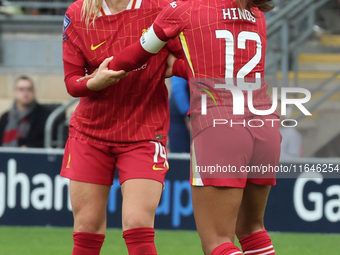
x=94 y=163
x=232 y=155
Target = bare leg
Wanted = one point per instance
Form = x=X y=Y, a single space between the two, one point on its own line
x=251 y=214
x=216 y=211
x=89 y=202
x=140 y=201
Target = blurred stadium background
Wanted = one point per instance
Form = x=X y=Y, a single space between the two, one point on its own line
x=303 y=50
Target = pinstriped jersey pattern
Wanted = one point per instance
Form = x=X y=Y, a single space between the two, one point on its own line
x=207 y=56
x=134 y=109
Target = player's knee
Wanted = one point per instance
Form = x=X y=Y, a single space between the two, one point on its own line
x=90 y=225
x=138 y=221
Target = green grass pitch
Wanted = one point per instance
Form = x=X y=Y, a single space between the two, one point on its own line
x=58 y=241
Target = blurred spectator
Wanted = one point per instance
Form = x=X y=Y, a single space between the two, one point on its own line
x=23 y=124
x=179 y=133
x=291 y=144
x=329 y=15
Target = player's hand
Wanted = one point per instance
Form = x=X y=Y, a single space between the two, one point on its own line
x=104 y=77
x=170 y=63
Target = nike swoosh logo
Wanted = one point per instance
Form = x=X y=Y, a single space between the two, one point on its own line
x=157 y=168
x=97 y=46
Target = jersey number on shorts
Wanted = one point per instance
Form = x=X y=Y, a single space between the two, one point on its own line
x=159 y=151
x=230 y=56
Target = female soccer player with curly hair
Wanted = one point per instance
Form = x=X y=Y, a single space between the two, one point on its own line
x=121 y=126
x=225 y=43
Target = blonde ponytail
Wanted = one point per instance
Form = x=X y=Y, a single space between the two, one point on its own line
x=90 y=10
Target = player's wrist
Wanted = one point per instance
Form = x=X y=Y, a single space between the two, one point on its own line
x=92 y=85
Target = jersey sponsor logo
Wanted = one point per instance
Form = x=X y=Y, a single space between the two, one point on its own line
x=141 y=68
x=97 y=46
x=67 y=22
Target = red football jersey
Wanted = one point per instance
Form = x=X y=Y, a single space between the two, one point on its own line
x=135 y=108
x=223 y=44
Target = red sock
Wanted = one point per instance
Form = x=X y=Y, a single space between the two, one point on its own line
x=258 y=243
x=226 y=249
x=87 y=243
x=140 y=241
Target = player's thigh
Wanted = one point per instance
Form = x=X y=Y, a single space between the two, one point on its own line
x=89 y=202
x=252 y=210
x=88 y=162
x=215 y=211
x=217 y=155
x=142 y=169
x=266 y=154
x=143 y=160
x=140 y=200
x=91 y=169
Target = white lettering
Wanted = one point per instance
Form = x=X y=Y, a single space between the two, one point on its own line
x=238 y=123
x=14 y=179
x=316 y=197
x=289 y=121
x=220 y=121
x=332 y=207
x=297 y=101
x=242 y=14
x=59 y=184
x=2 y=193
x=261 y=125
x=41 y=197
x=225 y=14
x=234 y=13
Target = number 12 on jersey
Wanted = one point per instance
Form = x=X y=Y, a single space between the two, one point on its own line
x=241 y=39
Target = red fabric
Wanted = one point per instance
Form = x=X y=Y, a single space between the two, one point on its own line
x=93 y=163
x=9 y=136
x=87 y=243
x=135 y=55
x=235 y=147
x=132 y=57
x=140 y=241
x=179 y=69
x=226 y=249
x=72 y=74
x=257 y=244
x=136 y=108
x=233 y=46
x=208 y=56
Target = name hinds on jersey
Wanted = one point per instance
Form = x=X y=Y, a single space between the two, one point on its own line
x=237 y=13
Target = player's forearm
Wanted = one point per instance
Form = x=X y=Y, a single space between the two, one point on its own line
x=75 y=88
x=179 y=69
x=135 y=55
x=132 y=57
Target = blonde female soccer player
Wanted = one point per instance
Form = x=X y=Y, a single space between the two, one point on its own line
x=121 y=126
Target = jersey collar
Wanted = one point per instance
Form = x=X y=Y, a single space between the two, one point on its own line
x=133 y=4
